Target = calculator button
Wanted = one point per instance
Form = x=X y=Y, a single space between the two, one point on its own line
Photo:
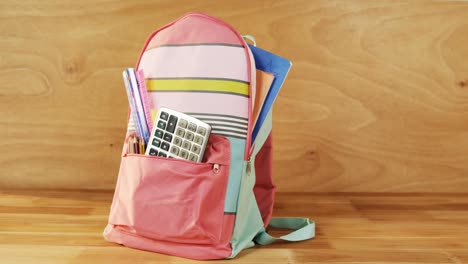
x=201 y=131
x=165 y=146
x=171 y=124
x=192 y=127
x=167 y=137
x=163 y=115
x=183 y=123
x=161 y=124
x=198 y=140
x=180 y=132
x=156 y=142
x=174 y=150
x=193 y=157
x=177 y=141
x=196 y=148
x=162 y=154
x=153 y=152
x=189 y=135
x=183 y=154
x=158 y=133
x=186 y=145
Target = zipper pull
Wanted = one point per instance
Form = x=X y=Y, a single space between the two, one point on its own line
x=248 y=168
x=216 y=168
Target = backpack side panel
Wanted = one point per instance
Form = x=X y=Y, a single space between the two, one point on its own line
x=249 y=221
x=264 y=188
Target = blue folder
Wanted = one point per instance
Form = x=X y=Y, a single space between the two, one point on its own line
x=279 y=67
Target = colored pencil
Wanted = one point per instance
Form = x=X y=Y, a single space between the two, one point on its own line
x=130 y=145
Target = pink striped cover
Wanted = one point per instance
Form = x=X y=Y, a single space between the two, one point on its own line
x=195 y=61
x=196 y=48
x=202 y=102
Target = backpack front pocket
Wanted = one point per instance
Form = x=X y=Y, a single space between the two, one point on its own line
x=171 y=199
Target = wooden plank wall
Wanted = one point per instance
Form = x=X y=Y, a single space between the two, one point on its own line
x=377 y=99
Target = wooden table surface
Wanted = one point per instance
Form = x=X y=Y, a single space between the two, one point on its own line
x=65 y=227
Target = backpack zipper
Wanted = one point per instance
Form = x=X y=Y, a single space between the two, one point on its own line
x=216 y=168
x=248 y=168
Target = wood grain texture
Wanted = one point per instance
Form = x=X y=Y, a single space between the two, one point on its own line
x=377 y=99
x=66 y=227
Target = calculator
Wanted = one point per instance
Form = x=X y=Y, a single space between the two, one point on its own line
x=177 y=135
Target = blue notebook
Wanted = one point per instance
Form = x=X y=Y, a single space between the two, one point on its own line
x=279 y=67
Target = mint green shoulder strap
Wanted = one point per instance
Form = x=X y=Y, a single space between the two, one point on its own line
x=303 y=229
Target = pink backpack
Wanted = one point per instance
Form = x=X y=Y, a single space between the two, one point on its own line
x=201 y=66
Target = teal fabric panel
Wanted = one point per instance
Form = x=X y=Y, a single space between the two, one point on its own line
x=235 y=174
x=248 y=219
x=303 y=229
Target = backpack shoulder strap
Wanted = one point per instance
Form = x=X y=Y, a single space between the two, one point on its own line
x=303 y=229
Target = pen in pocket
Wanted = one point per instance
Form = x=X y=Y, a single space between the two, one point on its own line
x=137 y=103
x=142 y=146
x=130 y=145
